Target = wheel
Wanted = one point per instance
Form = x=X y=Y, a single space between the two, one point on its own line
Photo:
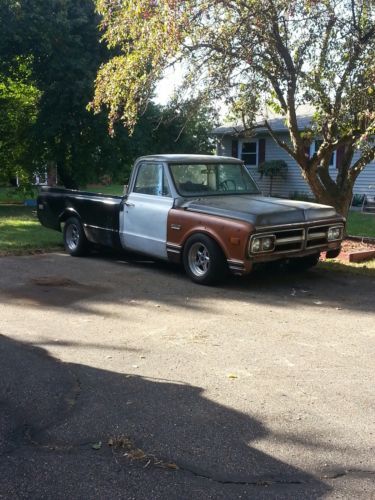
x=303 y=263
x=204 y=261
x=75 y=240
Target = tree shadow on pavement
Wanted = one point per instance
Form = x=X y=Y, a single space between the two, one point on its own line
x=172 y=441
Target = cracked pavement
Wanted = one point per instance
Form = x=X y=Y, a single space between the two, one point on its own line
x=119 y=378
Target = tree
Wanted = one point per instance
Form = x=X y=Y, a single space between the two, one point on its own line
x=273 y=169
x=60 y=41
x=274 y=54
x=18 y=110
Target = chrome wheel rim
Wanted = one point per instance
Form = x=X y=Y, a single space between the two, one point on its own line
x=72 y=236
x=199 y=259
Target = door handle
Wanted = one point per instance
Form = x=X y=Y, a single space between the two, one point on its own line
x=129 y=204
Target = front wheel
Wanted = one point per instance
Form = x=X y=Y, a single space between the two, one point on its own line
x=75 y=240
x=303 y=263
x=204 y=261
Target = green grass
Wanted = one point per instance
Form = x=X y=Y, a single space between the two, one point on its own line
x=21 y=232
x=115 y=189
x=360 y=224
x=363 y=268
x=13 y=195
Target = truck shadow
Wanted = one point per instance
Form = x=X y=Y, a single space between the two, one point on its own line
x=269 y=283
x=170 y=437
x=85 y=285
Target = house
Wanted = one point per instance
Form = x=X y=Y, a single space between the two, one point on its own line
x=258 y=147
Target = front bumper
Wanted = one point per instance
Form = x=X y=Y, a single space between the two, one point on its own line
x=292 y=241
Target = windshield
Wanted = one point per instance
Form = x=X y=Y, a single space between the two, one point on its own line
x=199 y=179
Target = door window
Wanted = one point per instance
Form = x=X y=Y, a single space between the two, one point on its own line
x=151 y=180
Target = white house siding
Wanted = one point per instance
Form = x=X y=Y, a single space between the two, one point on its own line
x=365 y=179
x=294 y=182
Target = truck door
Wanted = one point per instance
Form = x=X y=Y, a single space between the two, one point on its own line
x=143 y=220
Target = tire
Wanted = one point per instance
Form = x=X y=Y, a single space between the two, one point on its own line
x=204 y=261
x=303 y=263
x=75 y=240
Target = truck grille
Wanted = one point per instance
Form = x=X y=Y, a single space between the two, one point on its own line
x=316 y=236
x=296 y=239
x=289 y=240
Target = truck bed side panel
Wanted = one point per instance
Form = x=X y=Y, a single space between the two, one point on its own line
x=98 y=213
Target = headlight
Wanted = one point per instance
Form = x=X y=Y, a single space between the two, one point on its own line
x=334 y=233
x=262 y=244
x=255 y=245
x=267 y=244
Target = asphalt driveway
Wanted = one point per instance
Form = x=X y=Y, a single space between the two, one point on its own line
x=121 y=379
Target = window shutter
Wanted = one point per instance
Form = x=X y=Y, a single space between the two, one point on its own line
x=234 y=148
x=340 y=156
x=262 y=151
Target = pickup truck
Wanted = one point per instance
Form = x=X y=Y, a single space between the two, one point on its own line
x=205 y=212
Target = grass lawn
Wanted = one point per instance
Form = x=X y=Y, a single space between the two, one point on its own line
x=9 y=195
x=360 y=224
x=13 y=195
x=364 y=268
x=21 y=232
x=115 y=189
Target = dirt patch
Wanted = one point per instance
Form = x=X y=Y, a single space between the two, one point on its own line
x=54 y=281
x=358 y=248
x=52 y=291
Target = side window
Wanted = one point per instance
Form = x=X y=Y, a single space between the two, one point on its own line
x=151 y=180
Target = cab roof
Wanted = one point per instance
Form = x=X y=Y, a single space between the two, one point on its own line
x=180 y=158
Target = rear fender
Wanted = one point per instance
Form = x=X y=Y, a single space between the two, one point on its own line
x=67 y=213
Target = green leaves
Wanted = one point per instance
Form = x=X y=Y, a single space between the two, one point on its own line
x=19 y=99
x=147 y=34
x=273 y=168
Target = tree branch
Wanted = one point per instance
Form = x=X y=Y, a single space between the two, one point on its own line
x=279 y=142
x=360 y=164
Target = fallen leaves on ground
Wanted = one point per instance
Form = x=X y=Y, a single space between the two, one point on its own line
x=133 y=453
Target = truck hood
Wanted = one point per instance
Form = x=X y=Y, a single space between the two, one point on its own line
x=260 y=210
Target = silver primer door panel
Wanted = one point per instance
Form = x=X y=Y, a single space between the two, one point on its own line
x=143 y=221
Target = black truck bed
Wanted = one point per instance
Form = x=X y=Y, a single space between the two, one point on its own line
x=98 y=213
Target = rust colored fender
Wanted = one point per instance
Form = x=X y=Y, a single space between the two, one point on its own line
x=231 y=235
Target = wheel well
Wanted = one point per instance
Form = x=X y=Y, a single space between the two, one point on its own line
x=205 y=233
x=67 y=214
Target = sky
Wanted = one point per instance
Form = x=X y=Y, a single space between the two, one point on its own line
x=173 y=78
x=171 y=81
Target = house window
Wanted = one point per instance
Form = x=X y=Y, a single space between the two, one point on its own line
x=314 y=148
x=249 y=153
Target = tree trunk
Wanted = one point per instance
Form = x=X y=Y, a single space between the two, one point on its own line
x=67 y=180
x=329 y=193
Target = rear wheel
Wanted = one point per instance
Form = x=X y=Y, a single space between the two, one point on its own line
x=75 y=240
x=203 y=260
x=303 y=263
